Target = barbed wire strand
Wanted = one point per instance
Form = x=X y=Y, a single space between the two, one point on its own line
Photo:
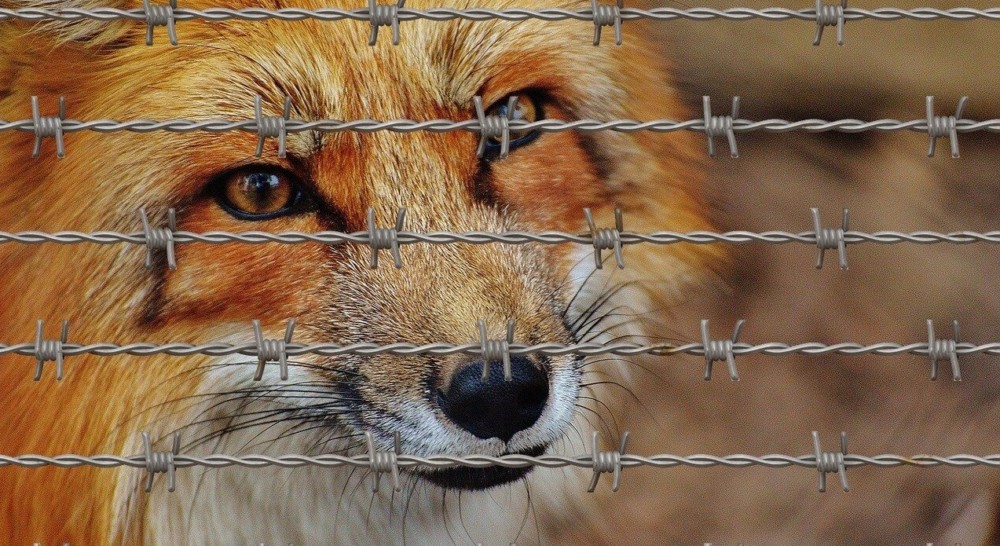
x=473 y=125
x=512 y=14
x=507 y=237
x=549 y=349
x=506 y=461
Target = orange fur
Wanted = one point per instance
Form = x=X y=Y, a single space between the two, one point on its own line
x=106 y=71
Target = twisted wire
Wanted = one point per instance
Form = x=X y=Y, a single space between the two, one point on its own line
x=495 y=126
x=606 y=461
x=474 y=125
x=159 y=15
x=271 y=350
x=381 y=238
x=940 y=126
x=942 y=349
x=159 y=238
x=549 y=349
x=829 y=238
x=160 y=461
x=271 y=126
x=49 y=350
x=48 y=126
x=830 y=15
x=505 y=461
x=719 y=125
x=494 y=350
x=382 y=461
x=607 y=14
x=606 y=238
x=830 y=461
x=383 y=14
x=514 y=14
x=718 y=349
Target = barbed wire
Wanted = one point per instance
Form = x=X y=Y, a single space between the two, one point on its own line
x=474 y=125
x=507 y=237
x=392 y=461
x=280 y=351
x=511 y=14
x=548 y=349
x=506 y=461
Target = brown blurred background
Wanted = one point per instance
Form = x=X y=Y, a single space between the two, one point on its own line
x=886 y=404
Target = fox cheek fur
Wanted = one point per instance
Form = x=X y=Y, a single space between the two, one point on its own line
x=439 y=404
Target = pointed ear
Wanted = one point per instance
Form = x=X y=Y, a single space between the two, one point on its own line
x=88 y=33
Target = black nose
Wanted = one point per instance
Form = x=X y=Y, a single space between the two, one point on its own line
x=496 y=408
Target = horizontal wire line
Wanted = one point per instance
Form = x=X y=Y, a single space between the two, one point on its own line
x=473 y=125
x=507 y=461
x=550 y=349
x=514 y=14
x=508 y=237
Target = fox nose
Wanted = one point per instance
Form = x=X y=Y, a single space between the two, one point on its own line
x=495 y=408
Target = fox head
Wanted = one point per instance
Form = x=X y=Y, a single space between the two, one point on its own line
x=330 y=181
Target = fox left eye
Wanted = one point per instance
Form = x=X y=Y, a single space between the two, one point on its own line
x=259 y=193
x=528 y=109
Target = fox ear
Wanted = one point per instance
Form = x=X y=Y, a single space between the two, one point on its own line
x=88 y=33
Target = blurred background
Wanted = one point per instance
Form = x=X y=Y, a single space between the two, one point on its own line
x=885 y=404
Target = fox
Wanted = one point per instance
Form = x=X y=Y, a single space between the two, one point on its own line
x=553 y=293
x=326 y=181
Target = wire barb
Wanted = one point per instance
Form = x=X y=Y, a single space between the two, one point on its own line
x=607 y=15
x=943 y=349
x=158 y=15
x=720 y=350
x=831 y=461
x=271 y=350
x=160 y=238
x=161 y=461
x=606 y=238
x=48 y=126
x=272 y=126
x=494 y=126
x=827 y=16
x=385 y=238
x=384 y=461
x=496 y=349
x=49 y=350
x=719 y=125
x=607 y=461
x=382 y=15
x=829 y=239
x=939 y=126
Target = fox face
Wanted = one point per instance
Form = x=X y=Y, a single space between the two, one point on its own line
x=330 y=181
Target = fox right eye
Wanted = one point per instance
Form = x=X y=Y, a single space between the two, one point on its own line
x=259 y=193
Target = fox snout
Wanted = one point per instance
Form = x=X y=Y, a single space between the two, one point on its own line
x=462 y=403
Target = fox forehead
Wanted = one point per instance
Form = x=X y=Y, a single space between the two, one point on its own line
x=334 y=72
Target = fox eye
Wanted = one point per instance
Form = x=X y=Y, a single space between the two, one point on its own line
x=259 y=193
x=528 y=109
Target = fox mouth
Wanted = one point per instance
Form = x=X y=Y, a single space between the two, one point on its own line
x=478 y=479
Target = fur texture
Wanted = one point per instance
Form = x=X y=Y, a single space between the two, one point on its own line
x=106 y=71
x=886 y=404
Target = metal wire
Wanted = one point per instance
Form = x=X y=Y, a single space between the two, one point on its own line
x=474 y=125
x=550 y=349
x=514 y=14
x=507 y=237
x=506 y=461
